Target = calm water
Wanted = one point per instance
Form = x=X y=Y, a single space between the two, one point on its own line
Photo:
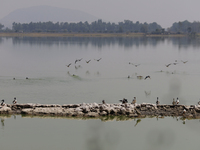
x=44 y=60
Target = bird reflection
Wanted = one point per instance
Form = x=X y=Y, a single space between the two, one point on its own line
x=147 y=93
x=2 y=122
x=137 y=121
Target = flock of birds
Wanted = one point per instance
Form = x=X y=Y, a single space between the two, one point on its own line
x=3 y=102
x=124 y=101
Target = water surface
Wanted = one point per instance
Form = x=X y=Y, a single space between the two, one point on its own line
x=50 y=81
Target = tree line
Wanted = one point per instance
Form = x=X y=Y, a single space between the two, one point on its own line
x=104 y=27
x=84 y=27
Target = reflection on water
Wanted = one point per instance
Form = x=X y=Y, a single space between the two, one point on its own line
x=100 y=42
x=90 y=133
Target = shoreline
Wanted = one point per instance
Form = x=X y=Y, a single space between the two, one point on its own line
x=88 y=35
x=94 y=110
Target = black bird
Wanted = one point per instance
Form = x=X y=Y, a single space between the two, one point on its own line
x=157 y=102
x=103 y=102
x=147 y=77
x=124 y=101
x=88 y=61
x=98 y=59
x=76 y=61
x=168 y=65
x=15 y=100
x=68 y=65
x=3 y=102
x=80 y=59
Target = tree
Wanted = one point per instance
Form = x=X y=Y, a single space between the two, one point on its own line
x=1 y=26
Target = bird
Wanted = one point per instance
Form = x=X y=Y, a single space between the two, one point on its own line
x=177 y=101
x=147 y=77
x=88 y=61
x=137 y=65
x=173 y=103
x=80 y=59
x=3 y=102
x=168 y=65
x=134 y=101
x=184 y=111
x=98 y=59
x=157 y=102
x=199 y=103
x=15 y=100
x=184 y=61
x=124 y=101
x=26 y=77
x=76 y=61
x=68 y=65
x=139 y=77
x=103 y=102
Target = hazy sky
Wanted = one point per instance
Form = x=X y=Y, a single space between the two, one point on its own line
x=164 y=12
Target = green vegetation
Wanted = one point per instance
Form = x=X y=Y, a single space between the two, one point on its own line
x=80 y=27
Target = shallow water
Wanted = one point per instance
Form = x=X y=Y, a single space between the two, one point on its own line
x=50 y=81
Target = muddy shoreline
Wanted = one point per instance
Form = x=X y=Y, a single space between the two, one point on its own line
x=95 y=110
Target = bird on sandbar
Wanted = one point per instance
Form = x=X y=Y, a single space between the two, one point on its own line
x=199 y=103
x=14 y=101
x=157 y=102
x=173 y=103
x=177 y=101
x=3 y=102
x=103 y=102
x=147 y=77
x=184 y=111
x=124 y=101
x=134 y=101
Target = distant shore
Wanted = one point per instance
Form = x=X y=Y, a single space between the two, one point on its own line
x=88 y=35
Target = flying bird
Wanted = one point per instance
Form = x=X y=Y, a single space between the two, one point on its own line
x=98 y=59
x=147 y=77
x=184 y=61
x=168 y=65
x=88 y=61
x=69 y=65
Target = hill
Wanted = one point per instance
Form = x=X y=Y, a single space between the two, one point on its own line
x=44 y=14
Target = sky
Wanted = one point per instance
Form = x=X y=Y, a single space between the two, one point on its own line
x=164 y=12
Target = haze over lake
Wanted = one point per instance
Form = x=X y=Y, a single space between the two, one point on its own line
x=50 y=81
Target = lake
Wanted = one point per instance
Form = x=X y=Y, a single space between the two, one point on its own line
x=120 y=73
